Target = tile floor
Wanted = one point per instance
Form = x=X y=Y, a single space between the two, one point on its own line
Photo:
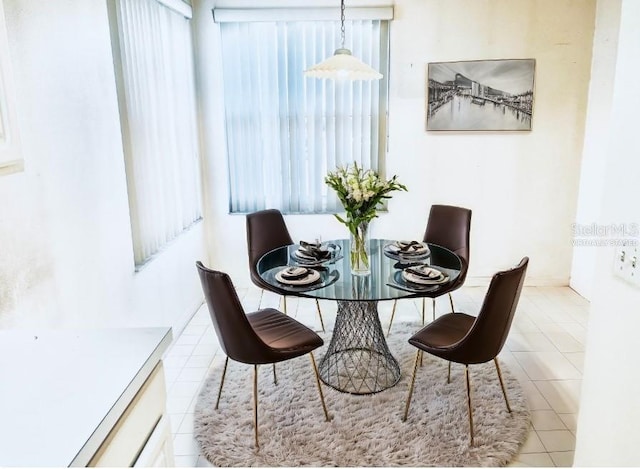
x=545 y=350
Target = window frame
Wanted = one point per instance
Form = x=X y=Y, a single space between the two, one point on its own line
x=326 y=199
x=185 y=10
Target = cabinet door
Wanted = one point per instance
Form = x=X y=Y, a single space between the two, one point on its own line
x=129 y=436
x=158 y=452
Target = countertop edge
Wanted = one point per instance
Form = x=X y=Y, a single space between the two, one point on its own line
x=108 y=422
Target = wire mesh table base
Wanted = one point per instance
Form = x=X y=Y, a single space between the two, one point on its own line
x=358 y=360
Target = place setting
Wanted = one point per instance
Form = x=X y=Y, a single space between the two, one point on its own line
x=418 y=278
x=407 y=252
x=297 y=276
x=301 y=278
x=316 y=254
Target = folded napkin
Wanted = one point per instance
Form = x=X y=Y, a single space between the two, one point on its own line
x=298 y=277
x=294 y=273
x=409 y=246
x=424 y=271
x=314 y=250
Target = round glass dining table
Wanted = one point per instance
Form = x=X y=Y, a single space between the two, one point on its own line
x=358 y=359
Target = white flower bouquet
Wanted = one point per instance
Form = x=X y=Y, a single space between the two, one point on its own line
x=360 y=192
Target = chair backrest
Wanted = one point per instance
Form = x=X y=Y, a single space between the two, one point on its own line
x=489 y=332
x=450 y=227
x=266 y=230
x=237 y=338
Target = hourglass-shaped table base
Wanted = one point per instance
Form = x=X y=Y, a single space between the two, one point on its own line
x=358 y=360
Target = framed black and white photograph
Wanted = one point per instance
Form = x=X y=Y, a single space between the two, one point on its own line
x=480 y=95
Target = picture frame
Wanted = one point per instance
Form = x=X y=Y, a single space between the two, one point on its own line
x=480 y=95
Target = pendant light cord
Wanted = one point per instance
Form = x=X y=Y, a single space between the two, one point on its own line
x=342 y=23
x=342 y=64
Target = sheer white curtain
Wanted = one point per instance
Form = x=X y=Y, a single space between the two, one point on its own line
x=158 y=114
x=286 y=131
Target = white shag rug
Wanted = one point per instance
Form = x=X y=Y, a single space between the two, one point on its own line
x=364 y=430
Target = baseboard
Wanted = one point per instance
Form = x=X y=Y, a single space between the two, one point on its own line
x=185 y=318
x=483 y=281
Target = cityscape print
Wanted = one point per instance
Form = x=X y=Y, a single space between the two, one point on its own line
x=480 y=95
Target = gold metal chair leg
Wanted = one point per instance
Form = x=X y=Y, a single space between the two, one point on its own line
x=275 y=378
x=424 y=302
x=315 y=370
x=504 y=391
x=413 y=381
x=393 y=313
x=320 y=314
x=224 y=372
x=255 y=404
x=433 y=307
x=451 y=301
x=284 y=304
x=449 y=374
x=466 y=374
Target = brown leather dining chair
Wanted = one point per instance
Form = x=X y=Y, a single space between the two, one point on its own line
x=262 y=337
x=266 y=231
x=461 y=338
x=448 y=226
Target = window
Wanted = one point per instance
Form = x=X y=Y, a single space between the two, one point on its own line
x=154 y=68
x=286 y=131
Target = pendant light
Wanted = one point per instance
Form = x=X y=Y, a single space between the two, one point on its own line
x=342 y=65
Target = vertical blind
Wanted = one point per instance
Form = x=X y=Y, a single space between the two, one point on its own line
x=158 y=114
x=286 y=131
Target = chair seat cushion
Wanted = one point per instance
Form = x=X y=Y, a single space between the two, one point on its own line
x=283 y=334
x=443 y=333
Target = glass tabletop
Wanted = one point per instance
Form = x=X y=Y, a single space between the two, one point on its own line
x=337 y=283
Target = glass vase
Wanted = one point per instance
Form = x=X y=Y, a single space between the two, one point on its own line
x=360 y=250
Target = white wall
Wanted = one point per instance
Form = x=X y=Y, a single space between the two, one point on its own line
x=66 y=253
x=521 y=186
x=609 y=412
x=597 y=130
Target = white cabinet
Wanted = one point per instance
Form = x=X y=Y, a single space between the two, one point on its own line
x=141 y=436
x=85 y=397
x=158 y=452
